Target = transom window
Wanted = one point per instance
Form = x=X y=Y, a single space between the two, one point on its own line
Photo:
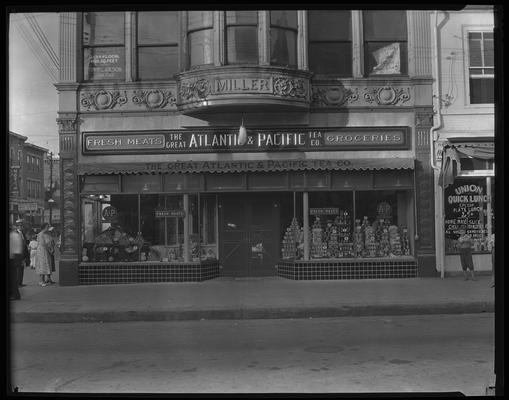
x=481 y=67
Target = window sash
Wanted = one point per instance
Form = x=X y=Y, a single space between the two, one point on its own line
x=278 y=37
x=203 y=55
x=164 y=66
x=147 y=24
x=321 y=63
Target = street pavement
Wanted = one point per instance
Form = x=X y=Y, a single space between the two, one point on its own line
x=249 y=298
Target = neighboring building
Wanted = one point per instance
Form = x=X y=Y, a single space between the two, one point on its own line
x=26 y=178
x=464 y=132
x=52 y=189
x=290 y=143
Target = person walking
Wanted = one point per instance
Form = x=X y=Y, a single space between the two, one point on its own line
x=26 y=255
x=15 y=259
x=465 y=245
x=42 y=255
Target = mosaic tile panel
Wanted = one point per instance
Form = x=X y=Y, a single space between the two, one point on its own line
x=323 y=270
x=117 y=273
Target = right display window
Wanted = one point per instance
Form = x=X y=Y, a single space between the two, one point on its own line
x=353 y=224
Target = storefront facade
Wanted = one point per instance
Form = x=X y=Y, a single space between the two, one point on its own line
x=464 y=133
x=254 y=159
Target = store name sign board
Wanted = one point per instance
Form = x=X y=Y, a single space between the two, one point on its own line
x=242 y=85
x=258 y=140
x=169 y=213
x=27 y=207
x=324 y=211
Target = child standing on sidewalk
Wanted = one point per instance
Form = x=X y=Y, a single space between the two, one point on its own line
x=32 y=246
x=465 y=245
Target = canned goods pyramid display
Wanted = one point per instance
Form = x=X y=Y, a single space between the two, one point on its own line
x=292 y=239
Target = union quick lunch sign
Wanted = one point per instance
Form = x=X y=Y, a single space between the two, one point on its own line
x=258 y=140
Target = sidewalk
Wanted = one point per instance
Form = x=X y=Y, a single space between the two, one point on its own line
x=249 y=298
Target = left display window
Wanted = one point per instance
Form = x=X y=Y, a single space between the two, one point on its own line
x=110 y=230
x=148 y=227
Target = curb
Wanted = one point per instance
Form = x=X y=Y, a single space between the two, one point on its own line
x=253 y=313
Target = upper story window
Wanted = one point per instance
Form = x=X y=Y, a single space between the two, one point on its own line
x=283 y=38
x=157 y=44
x=19 y=156
x=200 y=38
x=103 y=46
x=385 y=42
x=241 y=39
x=330 y=43
x=481 y=67
x=38 y=161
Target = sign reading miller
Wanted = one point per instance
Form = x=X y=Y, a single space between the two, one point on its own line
x=258 y=140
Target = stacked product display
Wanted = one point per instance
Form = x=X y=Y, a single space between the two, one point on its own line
x=331 y=238
x=291 y=240
x=394 y=240
x=405 y=242
x=340 y=238
x=345 y=234
x=318 y=247
x=358 y=239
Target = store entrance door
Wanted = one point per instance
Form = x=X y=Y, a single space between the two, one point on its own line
x=248 y=234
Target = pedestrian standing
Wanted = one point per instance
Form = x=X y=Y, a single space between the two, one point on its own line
x=32 y=246
x=15 y=258
x=51 y=231
x=465 y=245
x=26 y=254
x=491 y=244
x=42 y=256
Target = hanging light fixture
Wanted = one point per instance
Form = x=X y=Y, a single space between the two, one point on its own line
x=242 y=138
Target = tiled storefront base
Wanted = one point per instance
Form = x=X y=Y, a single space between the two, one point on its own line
x=118 y=272
x=347 y=269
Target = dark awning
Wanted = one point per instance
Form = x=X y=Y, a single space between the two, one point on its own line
x=264 y=165
x=451 y=158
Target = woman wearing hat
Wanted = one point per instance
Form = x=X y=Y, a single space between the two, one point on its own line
x=42 y=257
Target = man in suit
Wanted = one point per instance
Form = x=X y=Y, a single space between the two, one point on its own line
x=26 y=254
x=16 y=245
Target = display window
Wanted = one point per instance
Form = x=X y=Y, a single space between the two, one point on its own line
x=468 y=205
x=351 y=224
x=148 y=227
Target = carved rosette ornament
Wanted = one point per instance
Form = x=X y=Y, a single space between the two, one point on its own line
x=290 y=87
x=154 y=98
x=103 y=99
x=387 y=95
x=198 y=89
x=333 y=96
